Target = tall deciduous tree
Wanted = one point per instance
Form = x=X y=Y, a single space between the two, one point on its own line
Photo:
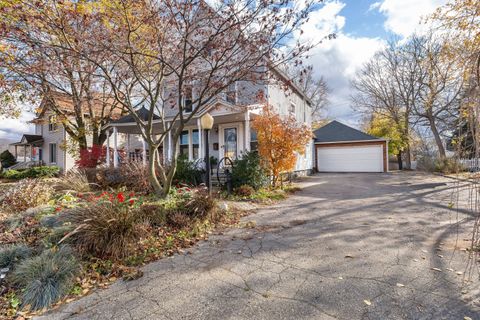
x=317 y=90
x=383 y=126
x=279 y=141
x=176 y=57
x=37 y=62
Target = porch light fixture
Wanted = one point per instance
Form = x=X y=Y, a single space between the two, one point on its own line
x=206 y=121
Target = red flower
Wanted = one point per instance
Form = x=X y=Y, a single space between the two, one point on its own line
x=120 y=197
x=57 y=209
x=131 y=202
x=79 y=195
x=132 y=194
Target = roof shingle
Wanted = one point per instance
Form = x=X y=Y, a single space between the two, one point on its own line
x=338 y=132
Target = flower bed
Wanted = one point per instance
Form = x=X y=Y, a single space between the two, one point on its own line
x=76 y=241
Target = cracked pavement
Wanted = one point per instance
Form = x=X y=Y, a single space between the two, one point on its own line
x=344 y=241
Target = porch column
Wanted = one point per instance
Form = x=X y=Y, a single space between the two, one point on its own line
x=25 y=153
x=108 y=147
x=128 y=147
x=115 y=147
x=16 y=153
x=170 y=142
x=144 y=151
x=200 y=144
x=247 y=131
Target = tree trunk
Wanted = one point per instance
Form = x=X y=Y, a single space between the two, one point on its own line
x=408 y=158
x=400 y=160
x=152 y=173
x=438 y=139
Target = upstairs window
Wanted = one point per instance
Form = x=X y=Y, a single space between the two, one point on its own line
x=231 y=95
x=291 y=108
x=52 y=123
x=188 y=99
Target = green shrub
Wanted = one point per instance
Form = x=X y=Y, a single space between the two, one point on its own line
x=448 y=166
x=34 y=172
x=187 y=173
x=105 y=229
x=7 y=159
x=12 y=174
x=28 y=193
x=12 y=254
x=244 y=191
x=249 y=171
x=46 y=278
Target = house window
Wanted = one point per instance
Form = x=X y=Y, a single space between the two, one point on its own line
x=52 y=123
x=188 y=99
x=291 y=108
x=184 y=137
x=195 y=144
x=231 y=95
x=253 y=140
x=53 y=152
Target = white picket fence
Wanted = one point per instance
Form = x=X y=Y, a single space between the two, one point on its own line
x=472 y=165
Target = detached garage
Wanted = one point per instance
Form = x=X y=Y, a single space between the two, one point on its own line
x=340 y=148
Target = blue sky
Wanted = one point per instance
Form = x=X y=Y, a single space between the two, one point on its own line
x=362 y=28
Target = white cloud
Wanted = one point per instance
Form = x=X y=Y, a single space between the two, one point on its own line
x=403 y=17
x=338 y=60
x=13 y=129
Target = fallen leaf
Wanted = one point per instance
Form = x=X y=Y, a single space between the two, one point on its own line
x=400 y=285
x=348 y=256
x=437 y=269
x=367 y=302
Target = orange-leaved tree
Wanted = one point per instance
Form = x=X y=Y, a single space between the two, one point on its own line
x=280 y=138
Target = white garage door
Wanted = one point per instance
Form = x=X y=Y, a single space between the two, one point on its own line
x=350 y=159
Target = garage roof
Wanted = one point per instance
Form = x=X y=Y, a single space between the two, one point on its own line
x=338 y=132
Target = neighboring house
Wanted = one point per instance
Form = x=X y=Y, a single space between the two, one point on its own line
x=47 y=146
x=340 y=148
x=231 y=134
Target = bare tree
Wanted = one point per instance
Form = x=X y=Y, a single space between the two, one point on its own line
x=36 y=62
x=317 y=90
x=380 y=89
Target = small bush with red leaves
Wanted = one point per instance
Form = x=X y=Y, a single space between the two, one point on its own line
x=28 y=193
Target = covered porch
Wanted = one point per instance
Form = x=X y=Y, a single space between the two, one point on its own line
x=28 y=150
x=229 y=137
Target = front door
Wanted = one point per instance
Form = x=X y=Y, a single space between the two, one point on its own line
x=230 y=136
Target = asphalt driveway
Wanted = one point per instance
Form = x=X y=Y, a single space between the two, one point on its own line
x=348 y=246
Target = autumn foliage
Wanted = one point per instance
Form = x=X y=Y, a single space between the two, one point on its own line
x=279 y=140
x=92 y=157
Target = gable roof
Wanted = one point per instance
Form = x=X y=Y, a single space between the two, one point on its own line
x=338 y=132
x=65 y=104
x=28 y=139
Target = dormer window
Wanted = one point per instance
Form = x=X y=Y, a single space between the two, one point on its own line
x=52 y=123
x=188 y=99
x=231 y=95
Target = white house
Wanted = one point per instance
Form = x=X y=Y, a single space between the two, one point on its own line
x=231 y=134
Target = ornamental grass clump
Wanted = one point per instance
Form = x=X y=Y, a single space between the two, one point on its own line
x=106 y=228
x=46 y=278
x=28 y=193
x=11 y=254
x=75 y=179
